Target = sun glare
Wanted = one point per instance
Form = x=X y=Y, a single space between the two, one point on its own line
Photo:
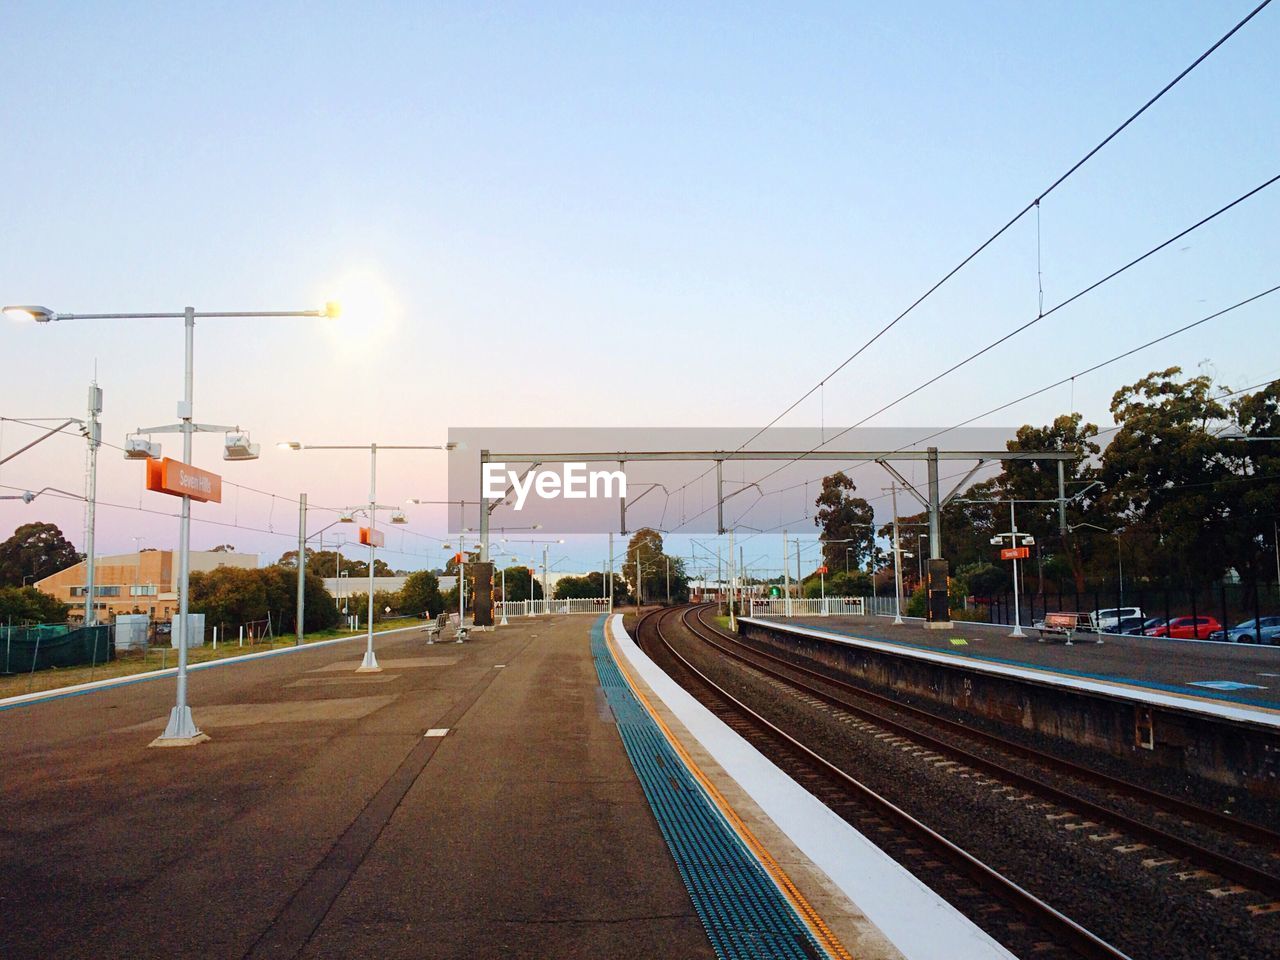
x=371 y=315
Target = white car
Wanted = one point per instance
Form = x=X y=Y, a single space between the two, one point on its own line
x=1104 y=621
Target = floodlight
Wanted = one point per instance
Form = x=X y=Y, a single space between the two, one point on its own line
x=140 y=448
x=30 y=312
x=399 y=517
x=238 y=447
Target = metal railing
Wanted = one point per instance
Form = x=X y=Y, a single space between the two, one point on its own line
x=812 y=607
x=539 y=608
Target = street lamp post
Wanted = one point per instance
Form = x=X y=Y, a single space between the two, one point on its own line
x=370 y=662
x=1016 y=540
x=181 y=729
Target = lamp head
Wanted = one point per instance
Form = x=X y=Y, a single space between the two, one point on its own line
x=30 y=312
x=140 y=448
x=238 y=447
x=333 y=309
x=346 y=516
x=399 y=517
x=289 y=445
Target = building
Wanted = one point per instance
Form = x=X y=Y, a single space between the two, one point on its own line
x=135 y=582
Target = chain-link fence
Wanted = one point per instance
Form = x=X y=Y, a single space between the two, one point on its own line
x=40 y=647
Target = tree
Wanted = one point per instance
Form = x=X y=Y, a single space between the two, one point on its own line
x=1166 y=472
x=844 y=517
x=421 y=594
x=29 y=605
x=837 y=584
x=359 y=604
x=1258 y=464
x=646 y=544
x=232 y=595
x=585 y=587
x=518 y=584
x=223 y=548
x=329 y=563
x=1037 y=480
x=35 y=551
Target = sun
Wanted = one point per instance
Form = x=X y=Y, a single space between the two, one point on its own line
x=372 y=314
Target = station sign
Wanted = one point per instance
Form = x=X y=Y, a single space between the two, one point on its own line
x=180 y=479
x=372 y=538
x=1014 y=553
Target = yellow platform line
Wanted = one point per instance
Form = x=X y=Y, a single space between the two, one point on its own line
x=817 y=926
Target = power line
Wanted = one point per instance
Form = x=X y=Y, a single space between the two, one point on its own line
x=1058 y=383
x=1033 y=204
x=1004 y=338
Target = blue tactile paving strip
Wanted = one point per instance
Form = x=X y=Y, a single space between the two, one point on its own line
x=744 y=912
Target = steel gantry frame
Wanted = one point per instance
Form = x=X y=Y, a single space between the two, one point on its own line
x=933 y=502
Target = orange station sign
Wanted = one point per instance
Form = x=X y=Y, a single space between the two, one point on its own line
x=180 y=479
x=372 y=537
x=1014 y=553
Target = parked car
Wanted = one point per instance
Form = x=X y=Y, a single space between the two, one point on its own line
x=1104 y=621
x=1129 y=625
x=1146 y=625
x=1186 y=628
x=1268 y=629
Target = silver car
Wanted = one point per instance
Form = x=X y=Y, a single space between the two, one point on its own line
x=1268 y=630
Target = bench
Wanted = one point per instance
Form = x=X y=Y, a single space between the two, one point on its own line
x=1062 y=624
x=436 y=628
x=461 y=630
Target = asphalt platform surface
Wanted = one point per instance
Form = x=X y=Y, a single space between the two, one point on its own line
x=1240 y=673
x=322 y=820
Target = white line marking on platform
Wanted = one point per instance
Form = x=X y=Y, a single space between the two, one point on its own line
x=436 y=732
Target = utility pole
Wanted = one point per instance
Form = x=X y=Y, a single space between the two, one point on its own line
x=610 y=577
x=897 y=559
x=94 y=431
x=668 y=559
x=786 y=573
x=302 y=565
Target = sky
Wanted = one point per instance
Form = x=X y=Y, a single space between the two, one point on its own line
x=595 y=215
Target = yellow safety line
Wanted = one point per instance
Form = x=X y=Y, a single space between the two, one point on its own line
x=817 y=926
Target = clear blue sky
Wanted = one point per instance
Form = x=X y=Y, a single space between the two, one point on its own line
x=573 y=214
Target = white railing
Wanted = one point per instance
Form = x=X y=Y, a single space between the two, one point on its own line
x=881 y=606
x=539 y=608
x=814 y=607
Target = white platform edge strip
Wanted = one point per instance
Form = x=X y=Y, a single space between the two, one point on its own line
x=916 y=920
x=108 y=683
x=1046 y=675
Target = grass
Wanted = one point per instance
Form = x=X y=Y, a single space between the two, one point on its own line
x=724 y=623
x=131 y=663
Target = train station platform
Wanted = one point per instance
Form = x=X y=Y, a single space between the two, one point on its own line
x=487 y=799
x=1227 y=679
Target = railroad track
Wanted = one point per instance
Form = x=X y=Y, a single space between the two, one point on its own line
x=1015 y=916
x=853 y=699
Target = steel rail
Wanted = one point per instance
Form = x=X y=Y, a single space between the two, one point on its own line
x=1070 y=933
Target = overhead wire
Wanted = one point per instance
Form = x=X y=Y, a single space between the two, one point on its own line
x=1034 y=203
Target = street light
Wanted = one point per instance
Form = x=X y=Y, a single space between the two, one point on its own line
x=1016 y=540
x=370 y=662
x=181 y=729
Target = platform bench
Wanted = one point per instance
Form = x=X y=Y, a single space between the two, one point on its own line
x=436 y=628
x=1065 y=625
x=461 y=631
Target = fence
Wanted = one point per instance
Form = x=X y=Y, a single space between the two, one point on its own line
x=812 y=607
x=26 y=649
x=538 y=608
x=1229 y=604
